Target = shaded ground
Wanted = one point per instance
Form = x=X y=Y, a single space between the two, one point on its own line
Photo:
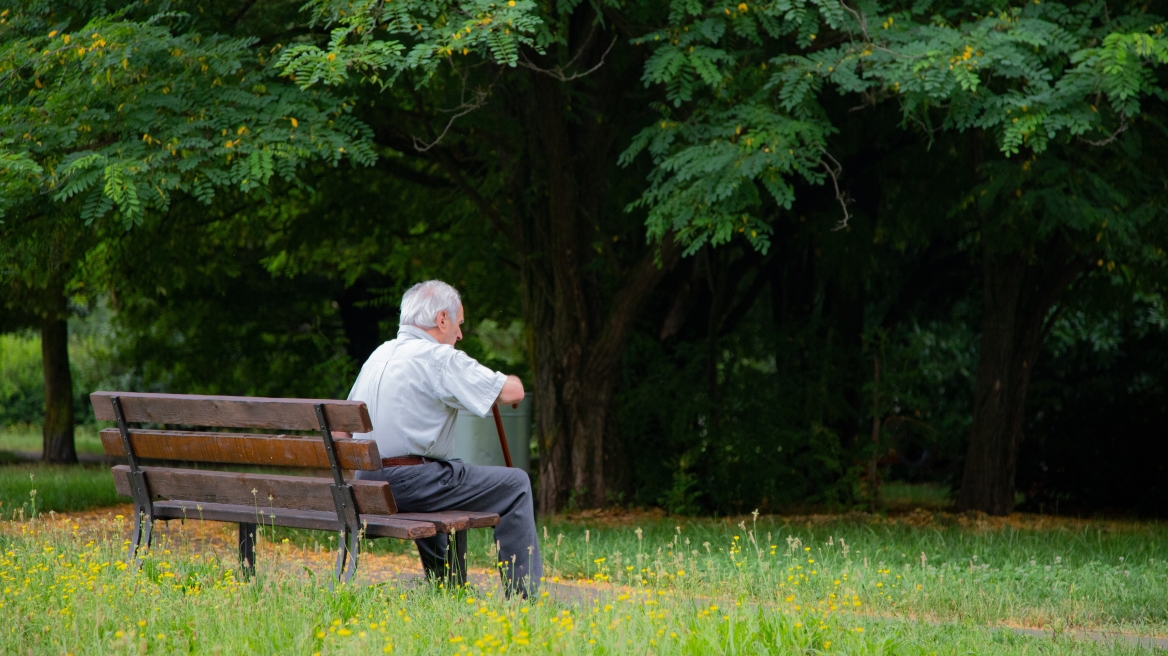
x=916 y=518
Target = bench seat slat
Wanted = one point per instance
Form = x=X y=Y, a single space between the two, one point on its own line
x=233 y=411
x=375 y=526
x=242 y=448
x=231 y=488
x=453 y=520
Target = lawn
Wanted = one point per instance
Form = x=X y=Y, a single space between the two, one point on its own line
x=918 y=583
x=1025 y=570
x=29 y=487
x=27 y=438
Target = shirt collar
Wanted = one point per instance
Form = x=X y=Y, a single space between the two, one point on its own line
x=414 y=332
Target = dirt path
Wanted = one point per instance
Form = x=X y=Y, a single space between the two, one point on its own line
x=220 y=539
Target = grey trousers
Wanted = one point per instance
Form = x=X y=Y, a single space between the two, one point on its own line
x=455 y=485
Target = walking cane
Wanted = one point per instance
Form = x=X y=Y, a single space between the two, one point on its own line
x=502 y=435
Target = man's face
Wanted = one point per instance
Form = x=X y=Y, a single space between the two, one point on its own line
x=449 y=331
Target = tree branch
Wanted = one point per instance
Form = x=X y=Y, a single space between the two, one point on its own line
x=640 y=279
x=558 y=72
x=1123 y=126
x=462 y=110
x=843 y=199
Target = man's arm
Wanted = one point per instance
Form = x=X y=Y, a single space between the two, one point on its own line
x=512 y=391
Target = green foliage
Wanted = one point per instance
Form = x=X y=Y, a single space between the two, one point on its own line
x=974 y=133
x=927 y=374
x=1097 y=407
x=121 y=112
x=21 y=380
x=22 y=383
x=497 y=346
x=249 y=297
x=760 y=436
x=211 y=319
x=417 y=36
x=1031 y=76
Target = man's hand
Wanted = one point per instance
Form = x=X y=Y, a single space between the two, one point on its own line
x=512 y=391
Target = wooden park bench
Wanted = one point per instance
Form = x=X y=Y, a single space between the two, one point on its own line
x=355 y=509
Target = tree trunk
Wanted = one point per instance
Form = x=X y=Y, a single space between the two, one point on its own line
x=58 y=443
x=583 y=280
x=1020 y=291
x=575 y=378
x=874 y=459
x=582 y=291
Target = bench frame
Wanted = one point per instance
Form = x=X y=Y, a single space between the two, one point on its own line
x=347 y=520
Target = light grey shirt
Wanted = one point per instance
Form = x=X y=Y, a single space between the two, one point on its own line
x=414 y=387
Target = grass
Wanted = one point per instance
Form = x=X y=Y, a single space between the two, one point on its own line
x=71 y=591
x=27 y=438
x=1032 y=572
x=908 y=496
x=919 y=583
x=58 y=488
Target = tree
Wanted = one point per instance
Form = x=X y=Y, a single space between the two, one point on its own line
x=739 y=131
x=107 y=115
x=1030 y=80
x=288 y=297
x=524 y=108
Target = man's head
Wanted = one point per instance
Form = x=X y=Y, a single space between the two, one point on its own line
x=434 y=307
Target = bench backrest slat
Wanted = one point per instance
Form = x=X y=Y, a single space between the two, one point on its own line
x=242 y=448
x=292 y=492
x=233 y=411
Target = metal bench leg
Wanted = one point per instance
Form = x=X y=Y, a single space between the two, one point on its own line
x=348 y=519
x=139 y=489
x=142 y=535
x=457 y=560
x=354 y=548
x=349 y=544
x=247 y=542
x=342 y=554
x=136 y=536
x=148 y=529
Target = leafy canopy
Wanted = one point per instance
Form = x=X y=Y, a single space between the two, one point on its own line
x=416 y=35
x=750 y=78
x=125 y=111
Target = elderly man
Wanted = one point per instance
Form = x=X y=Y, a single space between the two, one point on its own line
x=414 y=386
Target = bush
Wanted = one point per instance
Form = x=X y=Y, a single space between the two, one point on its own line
x=92 y=362
x=749 y=443
x=22 y=383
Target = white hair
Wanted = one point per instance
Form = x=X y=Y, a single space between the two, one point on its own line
x=422 y=303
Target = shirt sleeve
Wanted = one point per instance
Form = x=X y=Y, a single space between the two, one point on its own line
x=468 y=385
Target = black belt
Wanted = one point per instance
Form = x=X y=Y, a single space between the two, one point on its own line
x=405 y=461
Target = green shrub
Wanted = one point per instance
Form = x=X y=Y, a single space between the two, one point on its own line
x=91 y=360
x=22 y=383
